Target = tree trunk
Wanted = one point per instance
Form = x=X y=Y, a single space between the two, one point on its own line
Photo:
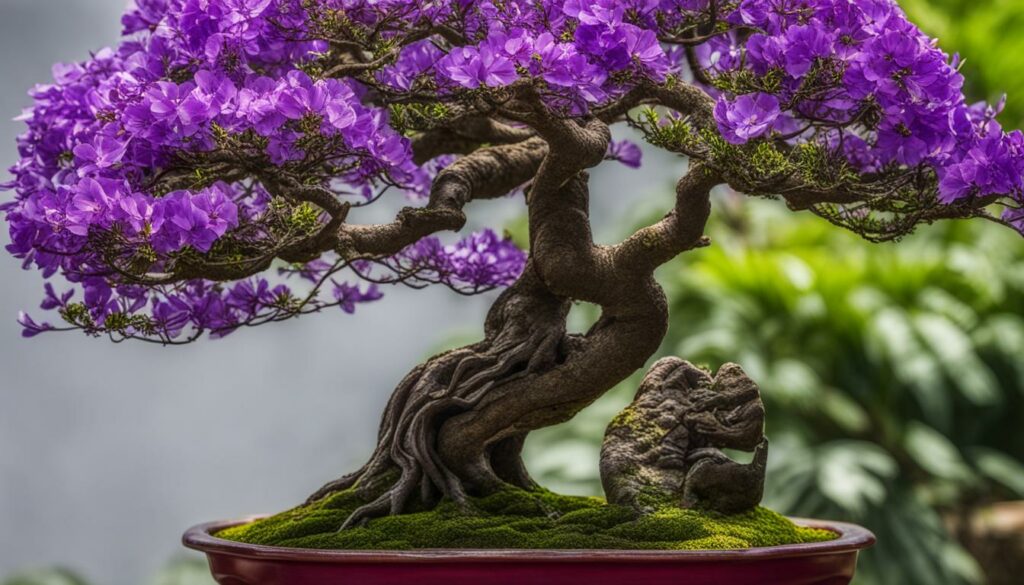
x=524 y=335
x=455 y=425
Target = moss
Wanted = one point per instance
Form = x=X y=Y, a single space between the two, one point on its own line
x=644 y=430
x=525 y=520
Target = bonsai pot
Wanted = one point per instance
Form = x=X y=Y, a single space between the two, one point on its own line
x=820 y=563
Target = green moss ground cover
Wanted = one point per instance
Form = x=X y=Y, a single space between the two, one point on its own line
x=525 y=520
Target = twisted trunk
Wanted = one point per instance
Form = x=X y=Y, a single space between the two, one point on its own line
x=524 y=337
x=455 y=425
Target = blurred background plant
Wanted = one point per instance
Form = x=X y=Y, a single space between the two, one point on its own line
x=178 y=572
x=893 y=375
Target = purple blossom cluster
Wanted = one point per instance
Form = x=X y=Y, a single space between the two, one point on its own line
x=119 y=164
x=858 y=76
x=586 y=52
x=180 y=313
x=479 y=262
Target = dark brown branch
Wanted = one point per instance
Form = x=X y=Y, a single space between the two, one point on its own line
x=290 y=188
x=464 y=137
x=680 y=230
x=485 y=174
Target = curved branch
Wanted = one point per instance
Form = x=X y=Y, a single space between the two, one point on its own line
x=290 y=188
x=485 y=174
x=680 y=230
x=684 y=98
x=465 y=137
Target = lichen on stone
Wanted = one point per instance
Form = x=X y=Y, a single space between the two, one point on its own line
x=520 y=519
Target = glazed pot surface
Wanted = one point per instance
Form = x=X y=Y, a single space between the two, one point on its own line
x=819 y=563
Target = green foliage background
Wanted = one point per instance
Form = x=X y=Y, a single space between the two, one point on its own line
x=191 y=571
x=893 y=374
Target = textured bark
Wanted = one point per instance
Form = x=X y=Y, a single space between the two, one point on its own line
x=455 y=425
x=524 y=334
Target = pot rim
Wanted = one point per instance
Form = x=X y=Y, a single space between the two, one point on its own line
x=851 y=538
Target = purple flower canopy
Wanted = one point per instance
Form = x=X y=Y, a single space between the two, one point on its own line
x=108 y=185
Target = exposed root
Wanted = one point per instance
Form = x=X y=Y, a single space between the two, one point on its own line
x=522 y=339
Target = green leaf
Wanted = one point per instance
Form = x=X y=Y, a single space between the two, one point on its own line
x=853 y=474
x=844 y=411
x=935 y=453
x=890 y=332
x=793 y=382
x=1001 y=468
x=957 y=356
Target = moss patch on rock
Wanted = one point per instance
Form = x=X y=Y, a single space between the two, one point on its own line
x=524 y=520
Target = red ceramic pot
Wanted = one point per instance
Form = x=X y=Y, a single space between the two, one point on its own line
x=820 y=563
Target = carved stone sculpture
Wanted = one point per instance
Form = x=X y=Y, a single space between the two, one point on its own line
x=665 y=447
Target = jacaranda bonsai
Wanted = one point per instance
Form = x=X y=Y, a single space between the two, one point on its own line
x=223 y=139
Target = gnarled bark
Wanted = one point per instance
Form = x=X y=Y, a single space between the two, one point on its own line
x=454 y=427
x=456 y=424
x=524 y=335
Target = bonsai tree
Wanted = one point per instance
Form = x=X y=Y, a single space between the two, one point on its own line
x=223 y=139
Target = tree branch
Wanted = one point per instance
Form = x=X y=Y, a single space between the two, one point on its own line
x=485 y=174
x=465 y=137
x=680 y=230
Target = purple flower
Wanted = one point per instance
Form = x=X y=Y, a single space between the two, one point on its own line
x=51 y=301
x=340 y=113
x=644 y=50
x=257 y=107
x=913 y=134
x=989 y=168
x=747 y=117
x=92 y=202
x=347 y=295
x=765 y=53
x=596 y=12
x=1015 y=217
x=141 y=213
x=802 y=46
x=415 y=60
x=517 y=44
x=626 y=152
x=252 y=295
x=145 y=16
x=196 y=220
x=472 y=68
x=29 y=327
x=605 y=45
x=103 y=152
x=485 y=260
x=171 y=315
x=299 y=97
x=560 y=64
x=214 y=94
x=166 y=99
